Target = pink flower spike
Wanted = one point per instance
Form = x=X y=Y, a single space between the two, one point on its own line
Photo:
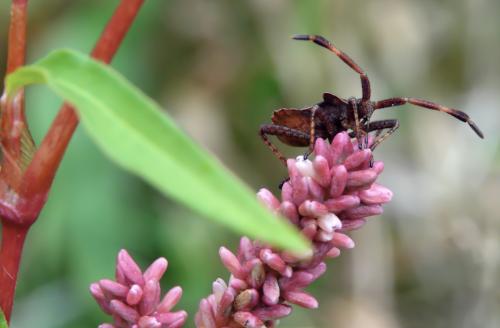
x=105 y=325
x=129 y=268
x=170 y=300
x=268 y=199
x=377 y=194
x=156 y=270
x=301 y=299
x=231 y=262
x=136 y=305
x=134 y=295
x=333 y=192
x=343 y=241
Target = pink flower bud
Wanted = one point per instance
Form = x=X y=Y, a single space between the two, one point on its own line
x=322 y=149
x=271 y=290
x=355 y=160
x=156 y=270
x=361 y=179
x=312 y=209
x=349 y=225
x=333 y=253
x=329 y=222
x=268 y=199
x=343 y=241
x=129 y=268
x=339 y=180
x=170 y=300
x=246 y=300
x=289 y=210
x=322 y=171
x=151 y=297
x=113 y=289
x=377 y=194
x=248 y=320
x=361 y=212
x=274 y=312
x=172 y=319
x=301 y=299
x=149 y=322
x=231 y=262
x=342 y=203
x=134 y=295
x=237 y=284
x=257 y=273
x=273 y=260
x=125 y=312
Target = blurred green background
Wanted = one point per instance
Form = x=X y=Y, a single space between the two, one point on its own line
x=220 y=68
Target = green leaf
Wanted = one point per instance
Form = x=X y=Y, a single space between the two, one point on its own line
x=3 y=321
x=132 y=130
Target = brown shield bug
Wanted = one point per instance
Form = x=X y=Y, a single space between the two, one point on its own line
x=301 y=127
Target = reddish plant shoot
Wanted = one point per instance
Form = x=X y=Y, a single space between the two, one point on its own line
x=27 y=173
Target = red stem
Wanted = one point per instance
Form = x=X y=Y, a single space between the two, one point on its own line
x=40 y=173
x=13 y=236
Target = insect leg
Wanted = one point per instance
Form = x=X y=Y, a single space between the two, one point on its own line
x=279 y=130
x=319 y=40
x=379 y=126
x=391 y=102
x=312 y=132
x=357 y=127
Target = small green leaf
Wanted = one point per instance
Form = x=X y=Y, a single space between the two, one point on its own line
x=131 y=129
x=3 y=321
